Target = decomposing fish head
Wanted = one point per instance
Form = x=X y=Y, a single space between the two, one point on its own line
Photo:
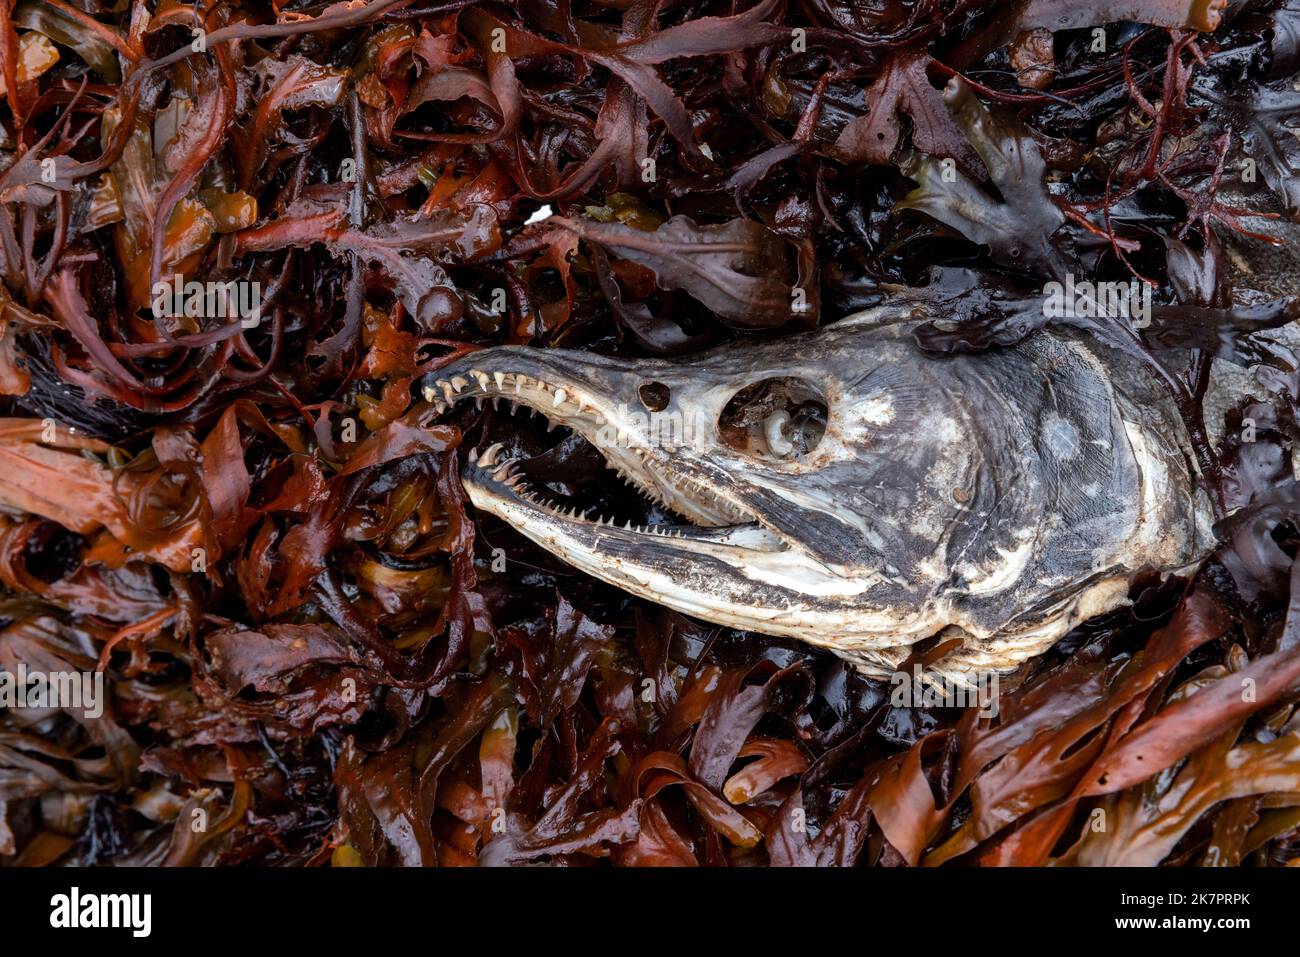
x=848 y=489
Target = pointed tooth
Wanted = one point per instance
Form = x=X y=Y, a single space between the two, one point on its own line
x=447 y=392
x=490 y=454
x=428 y=393
x=481 y=378
x=500 y=379
x=459 y=382
x=473 y=456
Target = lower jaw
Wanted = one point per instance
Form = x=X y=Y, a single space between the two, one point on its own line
x=873 y=644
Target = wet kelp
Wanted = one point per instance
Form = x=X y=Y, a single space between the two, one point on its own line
x=252 y=525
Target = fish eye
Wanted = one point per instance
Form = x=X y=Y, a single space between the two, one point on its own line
x=780 y=419
x=655 y=396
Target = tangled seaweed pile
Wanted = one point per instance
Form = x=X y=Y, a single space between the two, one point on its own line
x=253 y=526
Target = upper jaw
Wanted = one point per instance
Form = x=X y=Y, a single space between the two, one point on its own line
x=594 y=403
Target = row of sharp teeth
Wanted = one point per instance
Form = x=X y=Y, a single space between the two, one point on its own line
x=511 y=384
x=453 y=388
x=506 y=474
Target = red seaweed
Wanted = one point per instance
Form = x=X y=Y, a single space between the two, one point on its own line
x=241 y=513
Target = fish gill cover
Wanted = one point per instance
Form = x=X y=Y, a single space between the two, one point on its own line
x=236 y=235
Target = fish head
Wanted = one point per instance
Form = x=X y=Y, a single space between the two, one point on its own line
x=808 y=471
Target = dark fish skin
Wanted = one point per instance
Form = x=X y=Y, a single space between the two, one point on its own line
x=1001 y=497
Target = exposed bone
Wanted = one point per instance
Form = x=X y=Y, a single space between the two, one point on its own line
x=815 y=598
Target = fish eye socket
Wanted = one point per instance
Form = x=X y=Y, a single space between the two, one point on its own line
x=779 y=419
x=655 y=396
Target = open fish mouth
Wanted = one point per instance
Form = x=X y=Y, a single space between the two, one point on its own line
x=685 y=507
